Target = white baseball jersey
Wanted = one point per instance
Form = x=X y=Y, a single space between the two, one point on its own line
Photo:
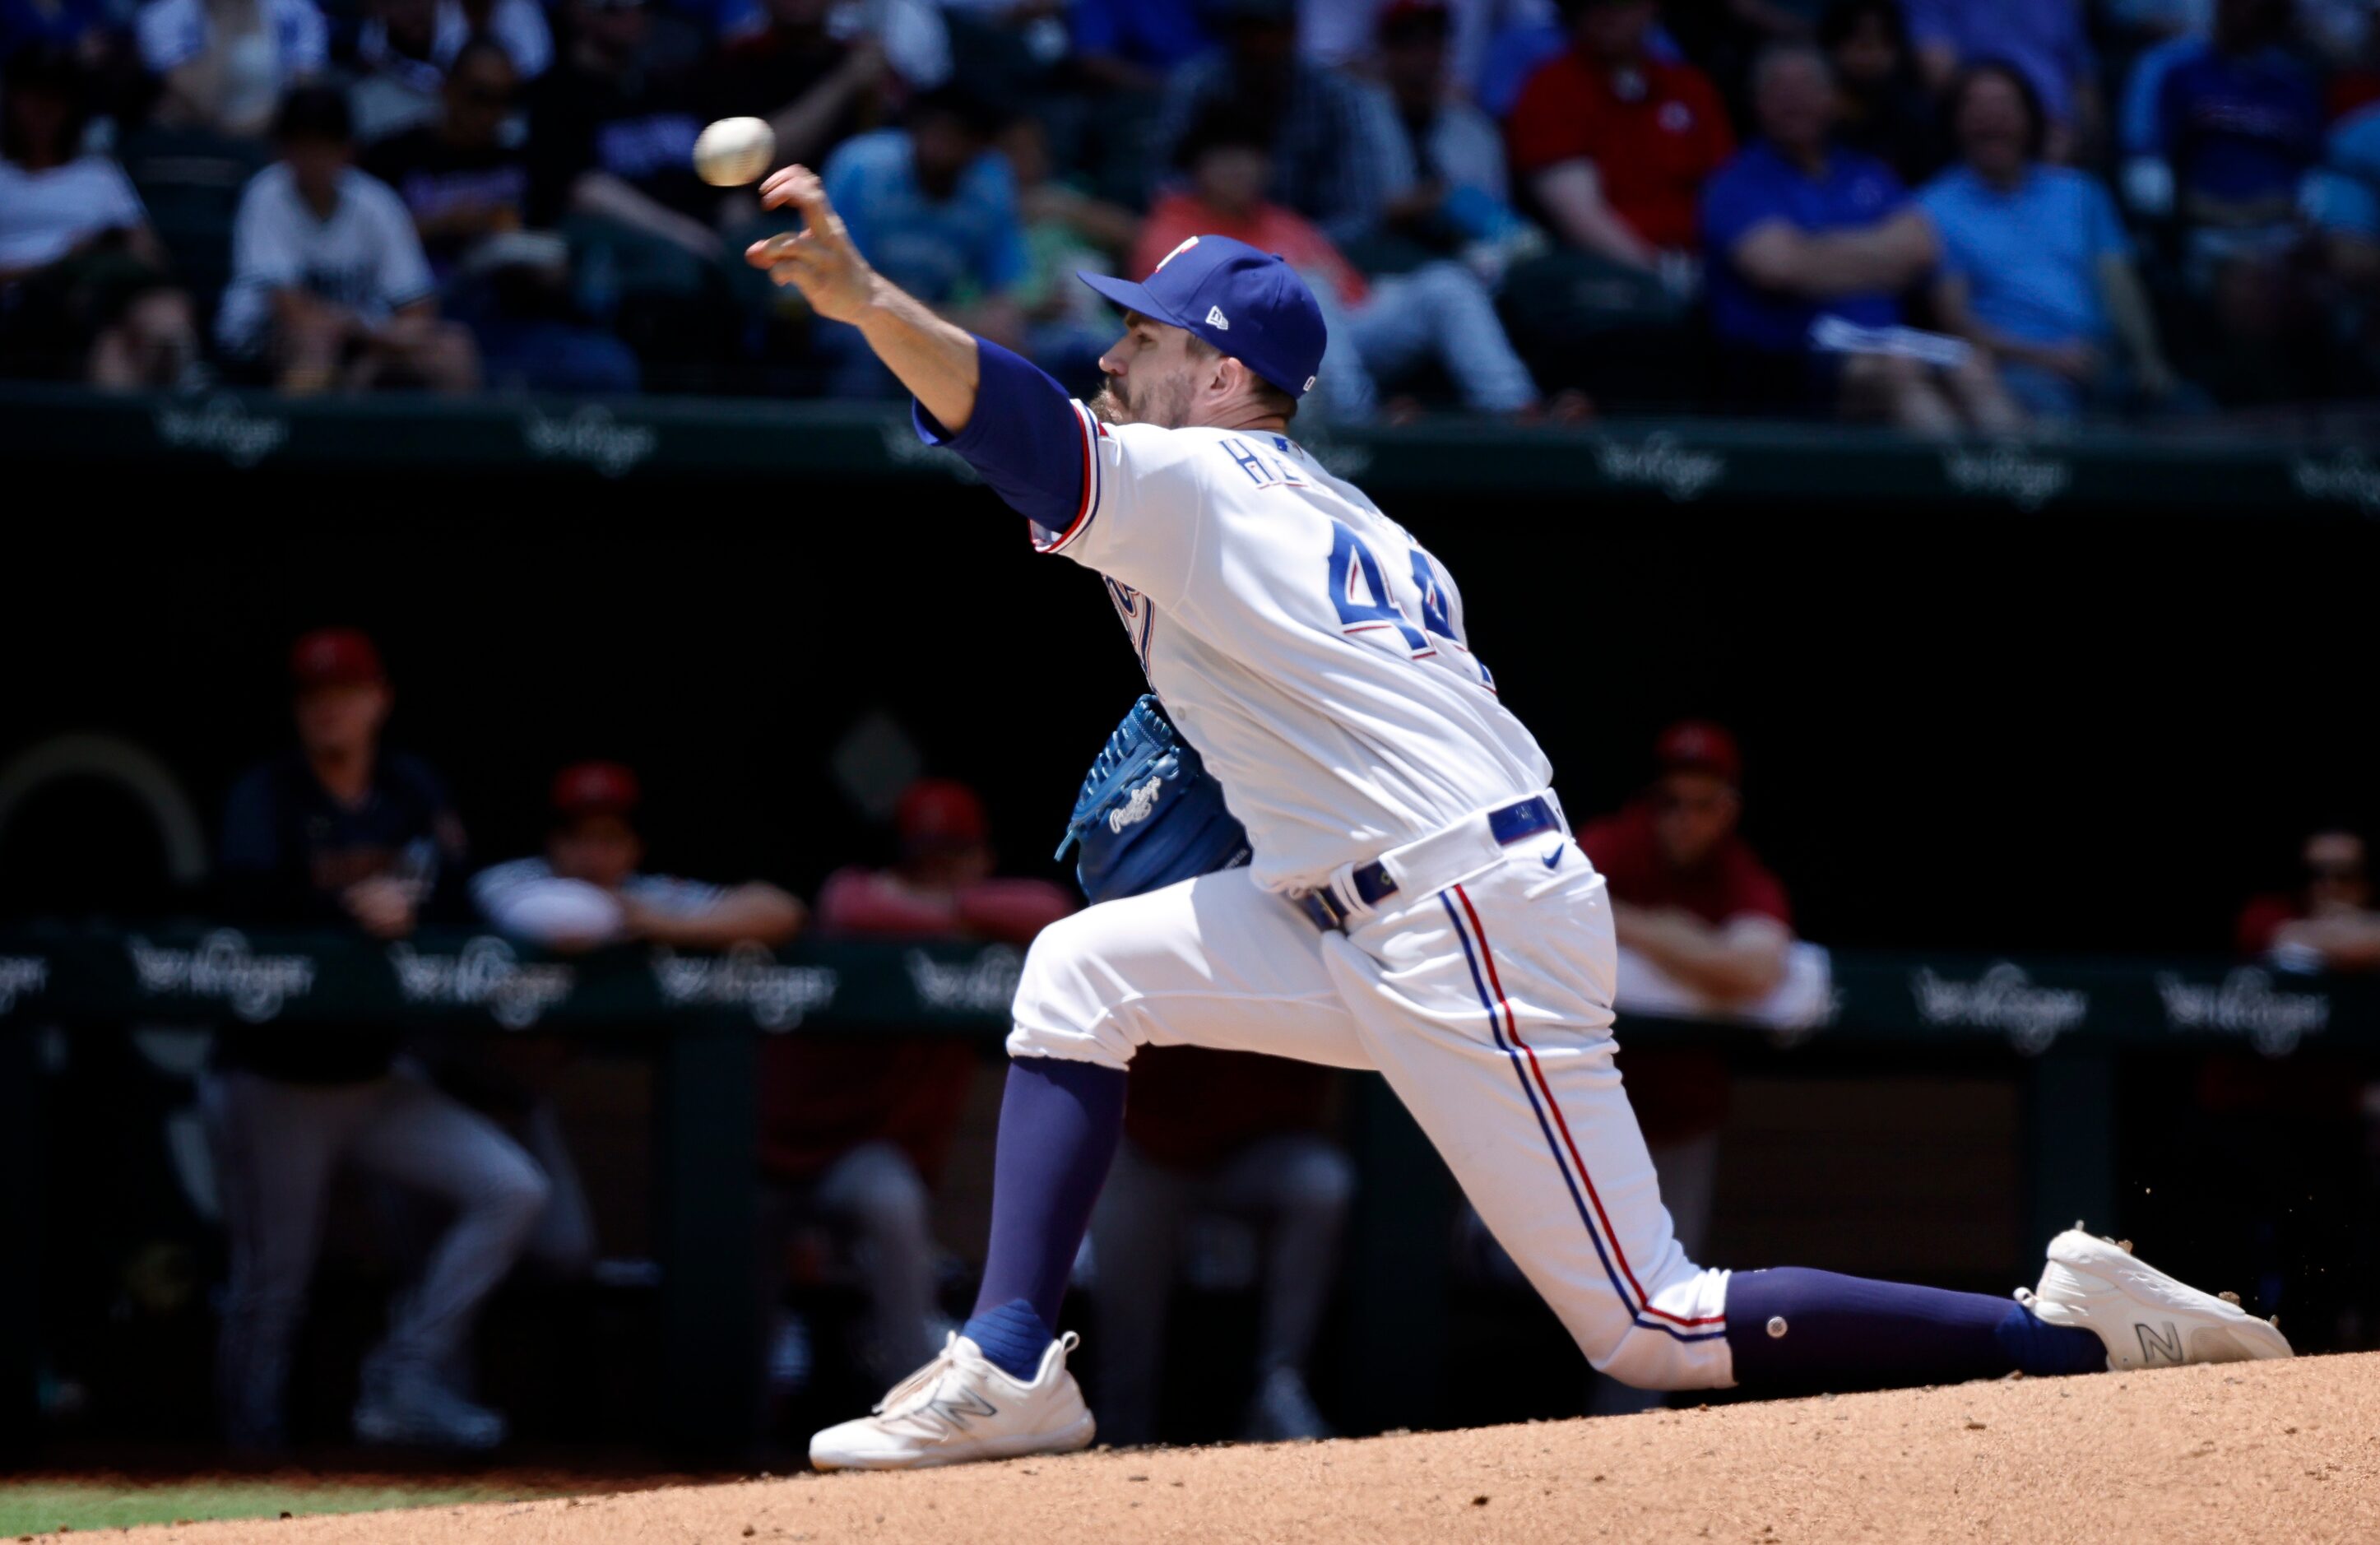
x=1312 y=651
x=366 y=256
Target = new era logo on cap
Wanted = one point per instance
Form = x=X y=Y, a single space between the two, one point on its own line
x=1216 y=319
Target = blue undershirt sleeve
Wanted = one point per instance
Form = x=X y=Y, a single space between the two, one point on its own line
x=1026 y=439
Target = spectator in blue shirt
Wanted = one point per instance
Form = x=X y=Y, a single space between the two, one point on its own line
x=1450 y=193
x=1335 y=141
x=1132 y=45
x=932 y=206
x=2236 y=127
x=1809 y=244
x=2045 y=39
x=2343 y=197
x=2343 y=203
x=2036 y=269
x=2239 y=120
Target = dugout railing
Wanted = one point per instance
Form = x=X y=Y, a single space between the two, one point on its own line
x=2057 y=1024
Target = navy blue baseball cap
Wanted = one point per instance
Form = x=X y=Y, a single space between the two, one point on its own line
x=1244 y=303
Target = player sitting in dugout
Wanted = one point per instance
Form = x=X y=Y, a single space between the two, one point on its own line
x=1405 y=897
x=588 y=890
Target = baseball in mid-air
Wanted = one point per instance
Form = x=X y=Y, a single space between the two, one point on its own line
x=734 y=151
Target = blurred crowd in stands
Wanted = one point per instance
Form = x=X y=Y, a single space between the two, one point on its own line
x=1937 y=213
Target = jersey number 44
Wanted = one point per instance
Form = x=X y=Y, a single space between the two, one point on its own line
x=1366 y=604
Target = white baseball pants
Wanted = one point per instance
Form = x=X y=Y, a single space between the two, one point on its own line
x=1481 y=991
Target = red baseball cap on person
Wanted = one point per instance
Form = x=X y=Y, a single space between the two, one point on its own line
x=593 y=788
x=336 y=657
x=1699 y=745
x=939 y=812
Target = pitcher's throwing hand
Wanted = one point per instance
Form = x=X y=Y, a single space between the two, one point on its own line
x=818 y=259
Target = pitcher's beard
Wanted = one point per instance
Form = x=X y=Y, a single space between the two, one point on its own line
x=1167 y=405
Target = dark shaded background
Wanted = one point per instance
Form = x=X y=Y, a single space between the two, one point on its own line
x=2090 y=731
x=1969 y=730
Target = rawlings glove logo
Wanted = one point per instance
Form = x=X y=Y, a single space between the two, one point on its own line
x=1138 y=808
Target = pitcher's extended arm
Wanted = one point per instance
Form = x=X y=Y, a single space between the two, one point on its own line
x=1024 y=435
x=933 y=358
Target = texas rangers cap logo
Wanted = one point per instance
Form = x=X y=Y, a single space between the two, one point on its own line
x=1187 y=243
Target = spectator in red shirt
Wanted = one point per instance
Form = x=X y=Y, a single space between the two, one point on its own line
x=2328 y=923
x=1210 y=1133
x=1614 y=145
x=1380 y=329
x=855 y=1130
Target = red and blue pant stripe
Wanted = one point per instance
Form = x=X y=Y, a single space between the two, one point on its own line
x=1505 y=1027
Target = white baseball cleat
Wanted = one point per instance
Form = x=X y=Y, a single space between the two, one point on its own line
x=2148 y=1318
x=958 y=1409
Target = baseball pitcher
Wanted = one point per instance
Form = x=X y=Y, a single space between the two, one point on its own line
x=1415 y=904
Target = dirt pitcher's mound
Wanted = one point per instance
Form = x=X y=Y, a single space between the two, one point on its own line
x=2269 y=1451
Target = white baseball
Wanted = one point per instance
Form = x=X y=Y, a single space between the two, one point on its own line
x=734 y=151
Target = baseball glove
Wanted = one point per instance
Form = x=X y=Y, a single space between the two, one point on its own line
x=1149 y=813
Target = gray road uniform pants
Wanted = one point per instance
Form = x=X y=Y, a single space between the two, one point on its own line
x=277 y=1145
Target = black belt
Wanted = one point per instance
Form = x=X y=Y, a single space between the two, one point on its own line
x=1372 y=883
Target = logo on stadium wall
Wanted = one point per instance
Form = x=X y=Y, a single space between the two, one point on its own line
x=591 y=436
x=985 y=985
x=747 y=977
x=2244 y=1003
x=21 y=976
x=2002 y=999
x=2345 y=478
x=485 y=974
x=221 y=968
x=1663 y=462
x=221 y=426
x=2007 y=472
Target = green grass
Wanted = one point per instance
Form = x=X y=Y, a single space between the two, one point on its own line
x=41 y=1506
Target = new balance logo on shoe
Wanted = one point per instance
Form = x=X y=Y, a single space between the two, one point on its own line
x=1216 y=319
x=956 y=1410
x=2154 y=1346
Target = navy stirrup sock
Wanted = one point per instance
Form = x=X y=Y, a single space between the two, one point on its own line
x=1013 y=1338
x=1059 y=1122
x=1796 y=1326
x=2041 y=1350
